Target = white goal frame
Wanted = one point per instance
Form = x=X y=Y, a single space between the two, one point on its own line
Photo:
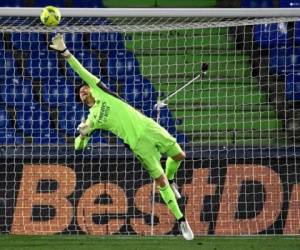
x=158 y=12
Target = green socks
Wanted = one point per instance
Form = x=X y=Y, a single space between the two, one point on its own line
x=169 y=198
x=171 y=168
x=167 y=193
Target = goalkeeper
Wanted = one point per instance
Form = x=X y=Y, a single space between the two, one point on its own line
x=146 y=138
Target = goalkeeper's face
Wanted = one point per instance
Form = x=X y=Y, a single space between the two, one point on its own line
x=86 y=96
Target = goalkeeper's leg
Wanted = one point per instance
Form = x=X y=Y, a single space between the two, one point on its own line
x=172 y=165
x=169 y=198
x=151 y=162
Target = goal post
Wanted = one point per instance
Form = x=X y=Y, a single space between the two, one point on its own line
x=224 y=82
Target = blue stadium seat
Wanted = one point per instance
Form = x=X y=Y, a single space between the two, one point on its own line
x=87 y=4
x=148 y=108
x=181 y=138
x=4 y=122
x=133 y=95
x=148 y=91
x=57 y=81
x=41 y=64
x=69 y=117
x=297 y=33
x=271 y=35
x=43 y=3
x=292 y=86
x=2 y=67
x=33 y=120
x=289 y=3
x=107 y=41
x=20 y=40
x=12 y=3
x=28 y=41
x=284 y=60
x=149 y=97
x=256 y=3
x=17 y=92
x=42 y=54
x=97 y=138
x=278 y=60
x=74 y=41
x=11 y=67
x=1 y=43
x=293 y=60
x=6 y=54
x=82 y=54
x=5 y=119
x=8 y=65
x=167 y=121
x=56 y=95
x=8 y=134
x=50 y=136
x=122 y=64
x=139 y=92
x=140 y=84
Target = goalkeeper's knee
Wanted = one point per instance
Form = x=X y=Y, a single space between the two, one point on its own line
x=161 y=181
x=179 y=157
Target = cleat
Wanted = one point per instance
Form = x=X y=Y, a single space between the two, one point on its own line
x=186 y=230
x=175 y=190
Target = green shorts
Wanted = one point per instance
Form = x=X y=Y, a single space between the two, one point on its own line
x=154 y=142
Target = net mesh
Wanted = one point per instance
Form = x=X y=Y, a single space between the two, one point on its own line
x=239 y=125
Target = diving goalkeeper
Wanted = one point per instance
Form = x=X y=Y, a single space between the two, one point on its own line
x=146 y=138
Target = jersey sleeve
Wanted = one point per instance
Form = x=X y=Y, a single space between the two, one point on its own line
x=85 y=75
x=81 y=143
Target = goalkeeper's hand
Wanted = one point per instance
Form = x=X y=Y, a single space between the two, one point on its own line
x=84 y=128
x=59 y=45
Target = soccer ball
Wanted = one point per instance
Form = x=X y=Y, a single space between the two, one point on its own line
x=50 y=16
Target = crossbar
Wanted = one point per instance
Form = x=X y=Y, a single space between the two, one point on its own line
x=158 y=12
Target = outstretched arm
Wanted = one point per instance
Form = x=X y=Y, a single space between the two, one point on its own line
x=84 y=127
x=58 y=44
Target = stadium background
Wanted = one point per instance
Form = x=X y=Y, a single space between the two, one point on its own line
x=29 y=93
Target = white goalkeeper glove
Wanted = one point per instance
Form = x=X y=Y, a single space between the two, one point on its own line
x=84 y=127
x=58 y=44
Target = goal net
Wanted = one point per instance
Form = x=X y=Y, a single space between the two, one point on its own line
x=227 y=88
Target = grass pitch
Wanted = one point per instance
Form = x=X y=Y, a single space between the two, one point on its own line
x=64 y=242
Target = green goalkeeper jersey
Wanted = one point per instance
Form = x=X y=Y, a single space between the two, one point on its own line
x=109 y=112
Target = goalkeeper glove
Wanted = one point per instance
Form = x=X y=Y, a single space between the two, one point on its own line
x=58 y=44
x=84 y=127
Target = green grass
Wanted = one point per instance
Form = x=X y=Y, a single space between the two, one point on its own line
x=59 y=242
